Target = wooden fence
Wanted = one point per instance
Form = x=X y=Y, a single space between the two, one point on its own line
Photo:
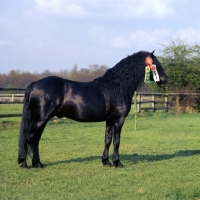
x=9 y=96
x=145 y=101
x=152 y=101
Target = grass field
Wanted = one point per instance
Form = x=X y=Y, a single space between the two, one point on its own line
x=161 y=158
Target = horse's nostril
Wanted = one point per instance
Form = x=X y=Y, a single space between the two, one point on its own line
x=162 y=78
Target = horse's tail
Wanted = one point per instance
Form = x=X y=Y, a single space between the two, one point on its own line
x=24 y=129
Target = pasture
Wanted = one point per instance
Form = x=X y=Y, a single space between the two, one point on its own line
x=161 y=158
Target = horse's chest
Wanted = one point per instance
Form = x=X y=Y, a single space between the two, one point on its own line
x=117 y=110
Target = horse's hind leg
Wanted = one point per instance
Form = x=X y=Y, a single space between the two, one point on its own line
x=108 y=138
x=23 y=163
x=35 y=135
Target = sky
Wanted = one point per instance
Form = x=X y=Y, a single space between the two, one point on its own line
x=55 y=35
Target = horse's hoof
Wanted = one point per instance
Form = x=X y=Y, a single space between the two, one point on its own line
x=38 y=165
x=107 y=163
x=23 y=166
x=118 y=164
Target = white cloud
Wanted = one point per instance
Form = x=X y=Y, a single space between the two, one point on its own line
x=140 y=39
x=2 y=20
x=60 y=7
x=189 y=34
x=5 y=42
x=128 y=8
x=119 y=42
x=144 y=38
x=150 y=8
x=100 y=33
x=106 y=9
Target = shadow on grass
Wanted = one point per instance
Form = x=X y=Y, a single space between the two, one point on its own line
x=87 y=159
x=135 y=158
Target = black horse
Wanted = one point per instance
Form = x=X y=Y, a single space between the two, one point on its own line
x=107 y=98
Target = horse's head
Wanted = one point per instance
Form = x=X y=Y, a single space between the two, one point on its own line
x=157 y=73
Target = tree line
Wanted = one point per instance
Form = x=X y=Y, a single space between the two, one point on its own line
x=18 y=79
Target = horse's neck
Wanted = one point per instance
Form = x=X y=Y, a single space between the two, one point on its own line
x=130 y=80
x=121 y=83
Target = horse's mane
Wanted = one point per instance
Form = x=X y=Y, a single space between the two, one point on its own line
x=126 y=75
x=129 y=66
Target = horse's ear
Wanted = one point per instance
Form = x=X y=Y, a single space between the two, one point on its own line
x=152 y=53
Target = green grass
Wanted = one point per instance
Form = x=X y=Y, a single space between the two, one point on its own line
x=11 y=108
x=161 y=158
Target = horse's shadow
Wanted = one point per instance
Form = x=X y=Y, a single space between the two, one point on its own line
x=135 y=158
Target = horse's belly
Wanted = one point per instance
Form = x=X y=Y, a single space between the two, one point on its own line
x=82 y=113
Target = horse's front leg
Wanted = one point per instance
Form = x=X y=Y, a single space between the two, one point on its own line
x=108 y=138
x=116 y=142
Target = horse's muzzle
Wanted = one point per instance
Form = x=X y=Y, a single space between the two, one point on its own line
x=163 y=80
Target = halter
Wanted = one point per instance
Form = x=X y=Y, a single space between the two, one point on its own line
x=150 y=67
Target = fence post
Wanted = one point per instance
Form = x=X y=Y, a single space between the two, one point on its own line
x=139 y=102
x=135 y=105
x=12 y=99
x=153 y=102
x=166 y=103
